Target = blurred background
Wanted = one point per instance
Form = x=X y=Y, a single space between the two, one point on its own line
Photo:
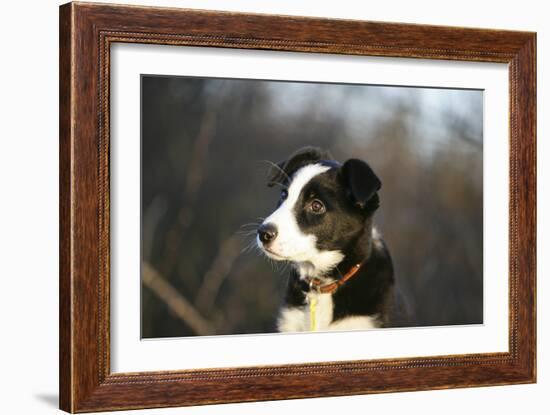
x=206 y=144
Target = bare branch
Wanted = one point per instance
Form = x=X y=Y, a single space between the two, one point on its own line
x=216 y=274
x=175 y=301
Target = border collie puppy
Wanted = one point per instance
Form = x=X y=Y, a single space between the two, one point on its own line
x=342 y=275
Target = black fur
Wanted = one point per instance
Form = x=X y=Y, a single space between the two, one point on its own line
x=349 y=193
x=302 y=157
x=360 y=181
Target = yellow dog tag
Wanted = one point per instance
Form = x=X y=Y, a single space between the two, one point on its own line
x=313 y=314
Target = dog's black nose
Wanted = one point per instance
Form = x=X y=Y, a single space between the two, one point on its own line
x=267 y=232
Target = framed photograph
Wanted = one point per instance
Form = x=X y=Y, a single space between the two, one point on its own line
x=258 y=207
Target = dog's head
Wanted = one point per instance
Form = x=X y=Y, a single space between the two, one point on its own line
x=323 y=208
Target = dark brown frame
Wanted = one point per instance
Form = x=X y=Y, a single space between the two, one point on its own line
x=86 y=33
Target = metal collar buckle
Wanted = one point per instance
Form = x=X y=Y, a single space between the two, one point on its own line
x=313 y=286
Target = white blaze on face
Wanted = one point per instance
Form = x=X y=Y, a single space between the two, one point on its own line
x=291 y=243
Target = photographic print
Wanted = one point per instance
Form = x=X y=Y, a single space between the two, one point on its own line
x=277 y=206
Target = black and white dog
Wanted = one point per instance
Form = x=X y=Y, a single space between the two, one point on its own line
x=342 y=274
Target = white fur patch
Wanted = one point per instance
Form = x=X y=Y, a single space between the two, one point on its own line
x=356 y=323
x=293 y=319
x=377 y=238
x=320 y=264
x=291 y=244
x=299 y=318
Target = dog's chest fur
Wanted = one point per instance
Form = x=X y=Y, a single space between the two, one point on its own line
x=320 y=317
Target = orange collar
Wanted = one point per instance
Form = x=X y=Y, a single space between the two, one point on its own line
x=331 y=287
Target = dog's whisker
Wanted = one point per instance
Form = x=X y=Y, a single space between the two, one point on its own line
x=282 y=267
x=249 y=224
x=246 y=233
x=247 y=228
x=286 y=266
x=278 y=168
x=245 y=248
x=273 y=265
x=250 y=246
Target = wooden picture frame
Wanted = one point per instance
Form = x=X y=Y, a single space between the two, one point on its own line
x=86 y=33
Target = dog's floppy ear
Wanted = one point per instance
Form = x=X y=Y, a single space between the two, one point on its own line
x=361 y=183
x=283 y=171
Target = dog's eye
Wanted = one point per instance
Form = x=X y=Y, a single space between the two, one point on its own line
x=317 y=207
x=284 y=194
